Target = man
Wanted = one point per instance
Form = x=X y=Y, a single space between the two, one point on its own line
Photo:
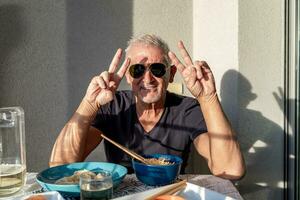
x=149 y=119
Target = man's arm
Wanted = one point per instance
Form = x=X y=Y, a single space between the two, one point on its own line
x=219 y=145
x=77 y=139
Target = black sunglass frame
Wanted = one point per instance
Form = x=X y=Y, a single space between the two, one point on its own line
x=138 y=70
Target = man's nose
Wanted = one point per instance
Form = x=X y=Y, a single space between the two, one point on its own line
x=148 y=76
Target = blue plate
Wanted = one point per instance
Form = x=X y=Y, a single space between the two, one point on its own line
x=48 y=177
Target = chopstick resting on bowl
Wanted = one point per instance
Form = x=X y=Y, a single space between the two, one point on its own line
x=172 y=189
x=126 y=150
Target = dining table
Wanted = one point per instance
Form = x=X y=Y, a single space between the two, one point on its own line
x=131 y=185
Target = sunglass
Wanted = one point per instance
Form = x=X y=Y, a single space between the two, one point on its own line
x=138 y=70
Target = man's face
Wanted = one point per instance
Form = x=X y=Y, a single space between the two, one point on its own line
x=148 y=88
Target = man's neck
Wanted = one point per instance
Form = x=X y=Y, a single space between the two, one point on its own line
x=149 y=114
x=150 y=110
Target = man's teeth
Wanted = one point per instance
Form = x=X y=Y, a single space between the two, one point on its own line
x=149 y=87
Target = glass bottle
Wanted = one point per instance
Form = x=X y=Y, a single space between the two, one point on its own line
x=12 y=150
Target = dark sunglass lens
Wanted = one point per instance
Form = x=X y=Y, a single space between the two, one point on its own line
x=158 y=69
x=137 y=70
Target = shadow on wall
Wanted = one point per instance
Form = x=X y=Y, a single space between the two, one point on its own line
x=261 y=140
x=11 y=35
x=95 y=30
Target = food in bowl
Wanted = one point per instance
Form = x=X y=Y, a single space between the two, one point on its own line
x=159 y=161
x=74 y=179
x=158 y=175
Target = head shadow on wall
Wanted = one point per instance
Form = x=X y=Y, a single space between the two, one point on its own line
x=259 y=137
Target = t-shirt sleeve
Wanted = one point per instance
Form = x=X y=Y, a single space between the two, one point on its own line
x=194 y=119
x=102 y=116
x=109 y=115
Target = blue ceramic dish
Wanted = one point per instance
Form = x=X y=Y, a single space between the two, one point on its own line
x=157 y=175
x=48 y=177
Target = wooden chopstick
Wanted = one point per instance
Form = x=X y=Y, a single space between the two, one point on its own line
x=126 y=150
x=169 y=190
x=176 y=189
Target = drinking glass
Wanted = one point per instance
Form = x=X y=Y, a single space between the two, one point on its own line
x=99 y=187
x=12 y=150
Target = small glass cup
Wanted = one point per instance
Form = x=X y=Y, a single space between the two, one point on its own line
x=99 y=187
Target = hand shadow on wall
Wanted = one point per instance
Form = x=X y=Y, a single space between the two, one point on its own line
x=261 y=140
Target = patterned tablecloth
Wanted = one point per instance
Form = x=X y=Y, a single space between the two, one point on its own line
x=131 y=185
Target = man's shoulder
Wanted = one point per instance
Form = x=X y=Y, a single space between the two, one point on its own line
x=123 y=98
x=125 y=94
x=180 y=100
x=122 y=101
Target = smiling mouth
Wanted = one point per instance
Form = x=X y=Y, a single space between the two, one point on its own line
x=148 y=87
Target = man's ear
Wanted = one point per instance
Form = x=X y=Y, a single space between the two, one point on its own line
x=172 y=73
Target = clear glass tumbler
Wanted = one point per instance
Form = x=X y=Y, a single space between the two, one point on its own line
x=99 y=187
x=12 y=150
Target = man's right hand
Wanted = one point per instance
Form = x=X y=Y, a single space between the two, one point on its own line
x=102 y=88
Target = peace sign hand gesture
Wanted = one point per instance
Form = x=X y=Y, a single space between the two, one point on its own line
x=197 y=76
x=102 y=88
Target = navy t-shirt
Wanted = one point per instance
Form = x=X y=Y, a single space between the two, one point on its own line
x=181 y=122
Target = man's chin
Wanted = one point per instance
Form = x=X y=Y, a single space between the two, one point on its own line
x=150 y=98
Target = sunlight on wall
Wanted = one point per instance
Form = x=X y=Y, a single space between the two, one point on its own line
x=257 y=144
x=280 y=184
x=262 y=184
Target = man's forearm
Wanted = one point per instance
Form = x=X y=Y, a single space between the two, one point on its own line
x=225 y=156
x=70 y=144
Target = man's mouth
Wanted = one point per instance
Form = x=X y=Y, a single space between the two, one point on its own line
x=148 y=87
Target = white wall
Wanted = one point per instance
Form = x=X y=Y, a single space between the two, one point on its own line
x=50 y=50
x=243 y=43
x=261 y=61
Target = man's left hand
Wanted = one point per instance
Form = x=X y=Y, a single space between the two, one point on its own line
x=197 y=75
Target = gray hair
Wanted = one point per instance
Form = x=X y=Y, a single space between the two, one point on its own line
x=153 y=40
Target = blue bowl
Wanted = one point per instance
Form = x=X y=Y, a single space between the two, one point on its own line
x=158 y=175
x=48 y=177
